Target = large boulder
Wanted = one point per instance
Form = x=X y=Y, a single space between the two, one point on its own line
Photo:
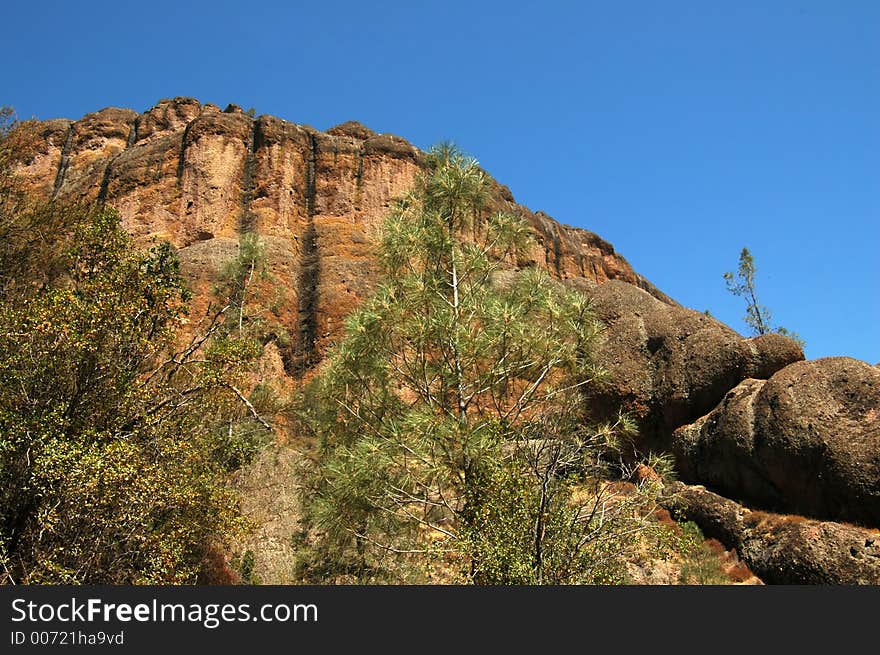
x=782 y=549
x=668 y=365
x=807 y=440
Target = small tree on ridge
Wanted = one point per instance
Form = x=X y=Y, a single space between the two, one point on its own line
x=743 y=284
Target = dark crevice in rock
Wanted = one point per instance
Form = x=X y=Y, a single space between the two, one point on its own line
x=304 y=354
x=582 y=265
x=64 y=163
x=654 y=344
x=311 y=184
x=557 y=253
x=105 y=180
x=247 y=220
x=359 y=179
x=182 y=160
x=133 y=133
x=259 y=135
x=552 y=243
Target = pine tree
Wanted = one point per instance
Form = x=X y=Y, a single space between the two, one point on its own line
x=742 y=284
x=448 y=419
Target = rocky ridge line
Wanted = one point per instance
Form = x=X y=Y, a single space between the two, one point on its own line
x=200 y=177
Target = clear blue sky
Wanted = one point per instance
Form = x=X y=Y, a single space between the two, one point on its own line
x=679 y=131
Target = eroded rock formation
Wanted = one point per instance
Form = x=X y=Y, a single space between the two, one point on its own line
x=670 y=365
x=787 y=435
x=199 y=177
x=807 y=441
x=783 y=549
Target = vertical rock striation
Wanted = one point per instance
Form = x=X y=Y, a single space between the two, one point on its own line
x=198 y=177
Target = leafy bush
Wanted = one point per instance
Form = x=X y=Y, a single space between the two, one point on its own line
x=111 y=470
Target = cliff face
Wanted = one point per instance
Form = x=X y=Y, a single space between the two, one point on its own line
x=199 y=177
x=743 y=415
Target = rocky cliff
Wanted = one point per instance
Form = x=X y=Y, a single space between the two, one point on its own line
x=745 y=417
x=199 y=177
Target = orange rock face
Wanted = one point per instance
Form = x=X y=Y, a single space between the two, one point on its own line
x=199 y=177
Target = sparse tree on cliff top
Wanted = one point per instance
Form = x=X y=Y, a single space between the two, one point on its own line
x=743 y=284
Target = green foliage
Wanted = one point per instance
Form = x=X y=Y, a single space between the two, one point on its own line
x=791 y=335
x=447 y=420
x=699 y=565
x=663 y=464
x=237 y=276
x=34 y=236
x=242 y=286
x=542 y=526
x=111 y=461
x=742 y=284
x=245 y=565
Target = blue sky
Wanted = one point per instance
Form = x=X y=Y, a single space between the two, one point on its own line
x=679 y=131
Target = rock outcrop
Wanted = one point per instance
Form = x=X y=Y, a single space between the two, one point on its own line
x=806 y=441
x=745 y=417
x=782 y=549
x=199 y=177
x=670 y=365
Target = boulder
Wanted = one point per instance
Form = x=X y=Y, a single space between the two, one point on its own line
x=807 y=440
x=781 y=549
x=669 y=365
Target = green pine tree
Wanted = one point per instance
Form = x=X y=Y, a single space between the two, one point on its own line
x=448 y=420
x=742 y=284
